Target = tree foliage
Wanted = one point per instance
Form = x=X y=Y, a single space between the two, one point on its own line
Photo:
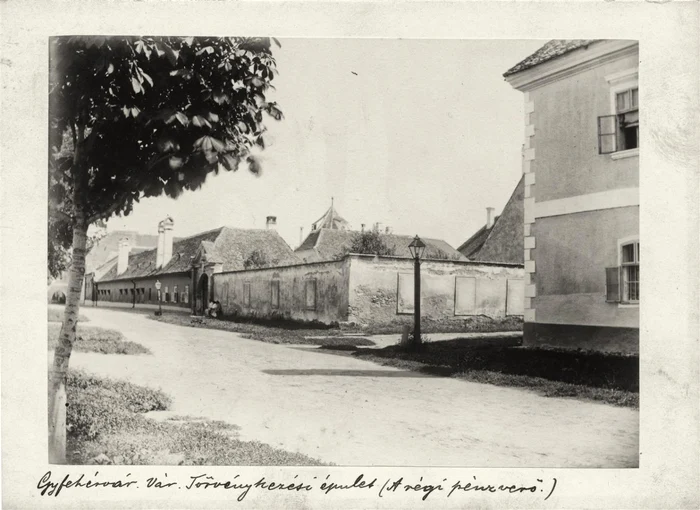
x=256 y=260
x=370 y=242
x=152 y=115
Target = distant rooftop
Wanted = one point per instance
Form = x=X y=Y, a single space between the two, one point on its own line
x=331 y=219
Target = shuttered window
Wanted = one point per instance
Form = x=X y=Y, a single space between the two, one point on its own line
x=630 y=272
x=622 y=283
x=620 y=132
x=612 y=284
x=607 y=134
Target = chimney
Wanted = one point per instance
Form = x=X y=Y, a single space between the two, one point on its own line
x=387 y=230
x=165 y=242
x=362 y=226
x=301 y=235
x=123 y=258
x=489 y=217
x=271 y=223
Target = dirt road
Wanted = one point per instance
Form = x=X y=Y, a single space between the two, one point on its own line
x=351 y=412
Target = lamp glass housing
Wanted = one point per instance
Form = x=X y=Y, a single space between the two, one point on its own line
x=417 y=248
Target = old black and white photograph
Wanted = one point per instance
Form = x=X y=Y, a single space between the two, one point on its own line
x=259 y=260
x=349 y=255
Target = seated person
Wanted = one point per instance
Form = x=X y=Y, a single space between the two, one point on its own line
x=214 y=309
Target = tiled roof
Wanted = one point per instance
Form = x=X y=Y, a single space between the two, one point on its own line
x=503 y=242
x=235 y=245
x=549 y=51
x=229 y=246
x=330 y=244
x=331 y=219
x=108 y=247
x=309 y=242
x=471 y=246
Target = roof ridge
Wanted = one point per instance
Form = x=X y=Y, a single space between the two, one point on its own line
x=201 y=233
x=271 y=230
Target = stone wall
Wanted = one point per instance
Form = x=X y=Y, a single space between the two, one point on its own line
x=369 y=290
x=381 y=290
x=316 y=292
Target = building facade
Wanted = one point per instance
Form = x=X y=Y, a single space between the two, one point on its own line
x=372 y=290
x=184 y=267
x=581 y=194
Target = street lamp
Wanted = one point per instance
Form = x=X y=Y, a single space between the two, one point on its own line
x=160 y=309
x=417 y=247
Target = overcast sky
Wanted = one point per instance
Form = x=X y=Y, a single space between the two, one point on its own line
x=419 y=135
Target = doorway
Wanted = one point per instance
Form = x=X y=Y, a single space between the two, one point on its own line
x=204 y=292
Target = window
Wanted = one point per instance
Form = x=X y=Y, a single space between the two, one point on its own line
x=167 y=294
x=275 y=290
x=186 y=294
x=310 y=288
x=246 y=294
x=622 y=282
x=620 y=131
x=176 y=296
x=149 y=293
x=630 y=272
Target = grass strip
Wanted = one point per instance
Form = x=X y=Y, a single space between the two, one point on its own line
x=100 y=340
x=107 y=425
x=592 y=376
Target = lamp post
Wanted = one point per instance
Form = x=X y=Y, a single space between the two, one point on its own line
x=160 y=309
x=417 y=247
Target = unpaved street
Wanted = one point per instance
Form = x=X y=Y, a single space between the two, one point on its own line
x=351 y=412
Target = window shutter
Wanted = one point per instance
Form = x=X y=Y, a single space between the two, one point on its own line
x=607 y=134
x=612 y=284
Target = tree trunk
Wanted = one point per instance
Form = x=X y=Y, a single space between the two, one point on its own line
x=58 y=375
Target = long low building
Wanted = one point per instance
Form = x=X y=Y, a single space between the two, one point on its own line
x=372 y=290
x=184 y=266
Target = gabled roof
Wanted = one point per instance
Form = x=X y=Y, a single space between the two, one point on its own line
x=108 y=247
x=503 y=242
x=229 y=246
x=309 y=242
x=330 y=244
x=471 y=246
x=331 y=220
x=551 y=50
x=235 y=245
